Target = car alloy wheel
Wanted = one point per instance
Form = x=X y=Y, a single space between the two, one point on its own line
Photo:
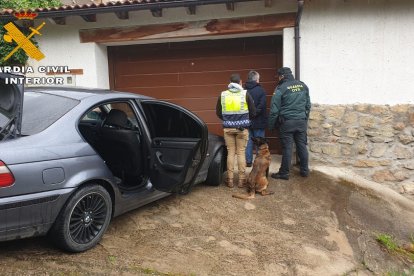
x=83 y=220
x=87 y=218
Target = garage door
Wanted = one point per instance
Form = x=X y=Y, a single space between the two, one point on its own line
x=193 y=74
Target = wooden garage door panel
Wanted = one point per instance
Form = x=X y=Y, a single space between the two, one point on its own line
x=150 y=80
x=169 y=92
x=203 y=48
x=209 y=116
x=197 y=103
x=192 y=74
x=187 y=79
x=194 y=91
x=216 y=128
x=195 y=65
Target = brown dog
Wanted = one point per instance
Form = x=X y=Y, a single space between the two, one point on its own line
x=257 y=181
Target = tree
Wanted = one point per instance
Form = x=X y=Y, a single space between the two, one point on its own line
x=20 y=57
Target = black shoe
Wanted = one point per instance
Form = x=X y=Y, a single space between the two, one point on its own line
x=248 y=164
x=304 y=174
x=280 y=176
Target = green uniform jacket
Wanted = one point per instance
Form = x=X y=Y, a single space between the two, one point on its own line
x=291 y=101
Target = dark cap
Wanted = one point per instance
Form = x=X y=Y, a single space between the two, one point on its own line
x=284 y=71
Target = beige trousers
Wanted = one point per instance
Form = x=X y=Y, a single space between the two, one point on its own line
x=236 y=142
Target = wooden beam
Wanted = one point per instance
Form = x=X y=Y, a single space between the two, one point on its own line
x=268 y=3
x=59 y=20
x=230 y=6
x=122 y=15
x=191 y=10
x=217 y=27
x=156 y=12
x=89 y=17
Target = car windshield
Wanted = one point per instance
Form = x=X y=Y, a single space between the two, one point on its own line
x=41 y=110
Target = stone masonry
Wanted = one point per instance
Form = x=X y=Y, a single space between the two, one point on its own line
x=375 y=141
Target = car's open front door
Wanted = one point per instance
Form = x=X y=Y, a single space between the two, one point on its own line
x=179 y=141
x=11 y=107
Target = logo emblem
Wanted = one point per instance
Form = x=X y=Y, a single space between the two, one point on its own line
x=23 y=42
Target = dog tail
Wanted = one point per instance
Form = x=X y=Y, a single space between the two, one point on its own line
x=244 y=196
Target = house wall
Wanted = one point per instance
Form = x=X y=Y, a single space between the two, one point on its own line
x=61 y=47
x=356 y=58
x=358 y=51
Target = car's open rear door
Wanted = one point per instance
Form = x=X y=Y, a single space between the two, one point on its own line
x=179 y=141
x=11 y=107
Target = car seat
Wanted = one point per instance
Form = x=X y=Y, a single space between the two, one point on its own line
x=121 y=147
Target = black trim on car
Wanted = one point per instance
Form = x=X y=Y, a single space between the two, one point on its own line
x=28 y=202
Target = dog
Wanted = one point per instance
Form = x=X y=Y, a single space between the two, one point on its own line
x=257 y=181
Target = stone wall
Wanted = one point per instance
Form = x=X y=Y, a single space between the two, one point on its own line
x=375 y=141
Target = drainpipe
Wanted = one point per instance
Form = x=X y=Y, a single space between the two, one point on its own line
x=297 y=39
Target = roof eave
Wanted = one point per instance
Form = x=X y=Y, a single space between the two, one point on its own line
x=79 y=11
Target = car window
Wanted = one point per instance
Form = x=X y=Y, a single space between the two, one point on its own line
x=42 y=110
x=127 y=109
x=93 y=116
x=168 y=121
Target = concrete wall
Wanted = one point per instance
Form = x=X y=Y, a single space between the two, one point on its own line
x=61 y=46
x=358 y=51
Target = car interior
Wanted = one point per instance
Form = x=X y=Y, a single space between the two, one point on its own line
x=115 y=133
x=116 y=137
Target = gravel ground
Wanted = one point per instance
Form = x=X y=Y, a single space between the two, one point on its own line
x=310 y=226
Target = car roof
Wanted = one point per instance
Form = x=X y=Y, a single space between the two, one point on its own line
x=79 y=93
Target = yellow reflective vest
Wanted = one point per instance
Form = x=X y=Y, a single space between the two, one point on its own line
x=234 y=109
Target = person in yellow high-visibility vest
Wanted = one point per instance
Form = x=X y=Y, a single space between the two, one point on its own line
x=235 y=107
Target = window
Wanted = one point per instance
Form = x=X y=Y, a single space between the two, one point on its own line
x=169 y=121
x=98 y=114
x=42 y=110
x=127 y=109
x=95 y=115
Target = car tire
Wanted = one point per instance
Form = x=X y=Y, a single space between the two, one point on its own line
x=216 y=169
x=83 y=220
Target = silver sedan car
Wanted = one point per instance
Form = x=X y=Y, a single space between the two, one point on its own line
x=71 y=159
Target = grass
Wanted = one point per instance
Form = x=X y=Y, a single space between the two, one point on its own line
x=391 y=245
x=387 y=241
x=398 y=273
x=112 y=259
x=150 y=271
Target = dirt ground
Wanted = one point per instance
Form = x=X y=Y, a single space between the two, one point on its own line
x=310 y=226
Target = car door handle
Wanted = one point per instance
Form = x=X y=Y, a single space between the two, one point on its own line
x=168 y=167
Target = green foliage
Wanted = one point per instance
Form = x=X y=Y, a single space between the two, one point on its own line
x=387 y=241
x=401 y=273
x=20 y=57
x=28 y=4
x=112 y=259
